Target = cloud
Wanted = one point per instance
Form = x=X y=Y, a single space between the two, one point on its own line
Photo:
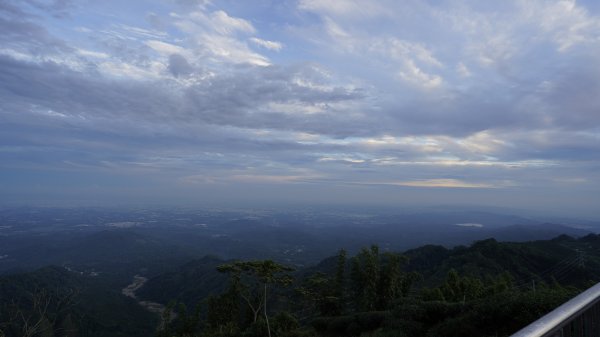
x=276 y=179
x=193 y=3
x=22 y=35
x=58 y=8
x=179 y=66
x=431 y=95
x=216 y=34
x=271 y=45
x=240 y=100
x=440 y=183
x=412 y=73
x=165 y=48
x=501 y=52
x=344 y=8
x=568 y=23
x=347 y=160
x=133 y=32
x=225 y=24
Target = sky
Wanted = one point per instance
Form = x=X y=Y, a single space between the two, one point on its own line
x=416 y=102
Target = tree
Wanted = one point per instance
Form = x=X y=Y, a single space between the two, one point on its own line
x=252 y=280
x=390 y=282
x=187 y=322
x=223 y=311
x=340 y=284
x=39 y=312
x=284 y=323
x=318 y=292
x=378 y=279
x=461 y=289
x=326 y=293
x=365 y=277
x=166 y=316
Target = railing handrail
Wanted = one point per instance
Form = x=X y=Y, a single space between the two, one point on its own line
x=562 y=315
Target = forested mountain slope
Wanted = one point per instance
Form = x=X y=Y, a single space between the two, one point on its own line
x=53 y=301
x=487 y=288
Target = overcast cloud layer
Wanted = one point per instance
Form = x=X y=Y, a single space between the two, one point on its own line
x=263 y=102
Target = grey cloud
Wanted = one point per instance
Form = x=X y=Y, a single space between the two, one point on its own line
x=233 y=100
x=153 y=114
x=7 y=8
x=573 y=98
x=239 y=100
x=501 y=92
x=527 y=123
x=74 y=109
x=155 y=21
x=179 y=66
x=29 y=37
x=192 y=3
x=52 y=86
x=19 y=31
x=58 y=8
x=456 y=113
x=558 y=97
x=558 y=145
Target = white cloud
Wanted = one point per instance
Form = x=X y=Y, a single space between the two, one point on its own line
x=406 y=50
x=463 y=70
x=338 y=33
x=456 y=162
x=142 y=32
x=469 y=224
x=414 y=62
x=229 y=49
x=165 y=48
x=226 y=24
x=568 y=23
x=484 y=143
x=411 y=73
x=341 y=159
x=410 y=57
x=216 y=35
x=295 y=108
x=130 y=71
x=221 y=23
x=271 y=45
x=93 y=54
x=438 y=183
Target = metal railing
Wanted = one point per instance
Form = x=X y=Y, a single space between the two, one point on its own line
x=579 y=317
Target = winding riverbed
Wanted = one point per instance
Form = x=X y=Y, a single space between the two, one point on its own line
x=137 y=283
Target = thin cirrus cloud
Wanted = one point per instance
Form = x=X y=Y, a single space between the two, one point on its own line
x=337 y=98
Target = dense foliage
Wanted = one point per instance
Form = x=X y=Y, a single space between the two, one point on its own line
x=53 y=301
x=487 y=289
